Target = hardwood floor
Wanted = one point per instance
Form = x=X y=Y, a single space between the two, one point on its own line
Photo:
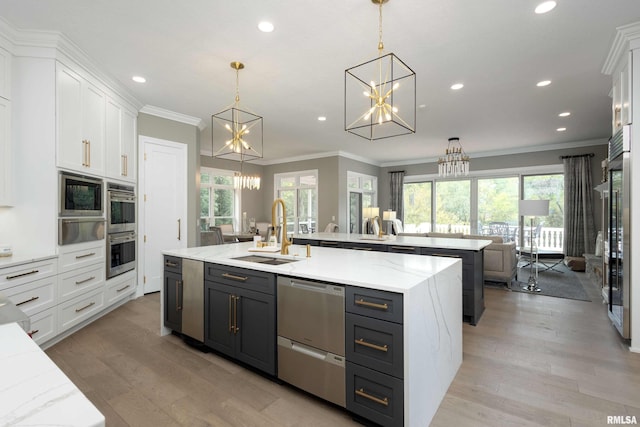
x=531 y=361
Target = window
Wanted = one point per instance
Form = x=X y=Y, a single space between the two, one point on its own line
x=417 y=207
x=219 y=201
x=547 y=187
x=453 y=206
x=299 y=190
x=362 y=193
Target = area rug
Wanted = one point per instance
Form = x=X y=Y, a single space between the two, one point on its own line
x=561 y=284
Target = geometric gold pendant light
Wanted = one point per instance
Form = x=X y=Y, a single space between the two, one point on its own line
x=380 y=95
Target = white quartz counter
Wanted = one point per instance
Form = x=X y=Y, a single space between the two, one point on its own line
x=374 y=270
x=34 y=391
x=420 y=242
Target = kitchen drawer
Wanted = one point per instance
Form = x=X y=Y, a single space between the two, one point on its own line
x=372 y=303
x=119 y=287
x=44 y=325
x=34 y=297
x=25 y=273
x=81 y=255
x=376 y=344
x=77 y=282
x=375 y=396
x=173 y=264
x=465 y=256
x=72 y=312
x=330 y=244
x=364 y=247
x=253 y=280
x=405 y=249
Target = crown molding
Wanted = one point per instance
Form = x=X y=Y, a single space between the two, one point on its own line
x=627 y=37
x=496 y=153
x=172 y=115
x=318 y=156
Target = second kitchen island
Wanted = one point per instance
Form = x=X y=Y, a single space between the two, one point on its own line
x=401 y=337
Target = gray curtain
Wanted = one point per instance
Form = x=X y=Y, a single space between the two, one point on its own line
x=579 y=228
x=397 y=181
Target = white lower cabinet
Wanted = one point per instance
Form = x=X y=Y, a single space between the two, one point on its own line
x=120 y=287
x=34 y=297
x=81 y=255
x=77 y=310
x=80 y=281
x=44 y=325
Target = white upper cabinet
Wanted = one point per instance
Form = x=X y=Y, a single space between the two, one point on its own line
x=120 y=142
x=621 y=93
x=5 y=74
x=80 y=119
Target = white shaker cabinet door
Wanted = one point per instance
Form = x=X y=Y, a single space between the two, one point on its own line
x=113 y=140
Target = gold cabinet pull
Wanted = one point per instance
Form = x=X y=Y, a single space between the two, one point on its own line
x=178 y=228
x=446 y=255
x=85 y=280
x=15 y=276
x=88 y=153
x=234 y=277
x=372 y=304
x=78 y=310
x=122 y=289
x=404 y=248
x=85 y=255
x=230 y=313
x=178 y=305
x=364 y=343
x=361 y=392
x=235 y=314
x=123 y=160
x=32 y=333
x=29 y=300
x=360 y=248
x=325 y=243
x=84 y=152
x=170 y=264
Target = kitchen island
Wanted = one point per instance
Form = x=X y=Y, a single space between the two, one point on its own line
x=471 y=251
x=427 y=291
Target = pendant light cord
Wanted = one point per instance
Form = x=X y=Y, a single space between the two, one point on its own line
x=380 y=44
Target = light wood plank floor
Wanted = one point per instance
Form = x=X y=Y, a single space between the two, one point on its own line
x=531 y=361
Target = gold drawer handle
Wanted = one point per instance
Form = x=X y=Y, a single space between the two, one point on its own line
x=361 y=249
x=362 y=342
x=78 y=310
x=85 y=280
x=29 y=300
x=122 y=289
x=234 y=277
x=22 y=274
x=85 y=255
x=361 y=392
x=32 y=333
x=325 y=243
x=446 y=255
x=170 y=264
x=372 y=304
x=404 y=248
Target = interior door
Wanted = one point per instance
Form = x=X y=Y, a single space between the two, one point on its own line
x=163 y=206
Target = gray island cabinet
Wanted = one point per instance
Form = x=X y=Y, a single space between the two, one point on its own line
x=470 y=251
x=402 y=323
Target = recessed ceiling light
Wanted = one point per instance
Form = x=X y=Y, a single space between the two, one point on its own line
x=265 y=27
x=545 y=7
x=457 y=86
x=138 y=79
x=322 y=118
x=565 y=114
x=561 y=129
x=543 y=83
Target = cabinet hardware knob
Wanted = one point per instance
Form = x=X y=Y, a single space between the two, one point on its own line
x=372 y=304
x=361 y=392
x=364 y=343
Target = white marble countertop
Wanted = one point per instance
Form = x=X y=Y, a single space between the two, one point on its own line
x=421 y=242
x=23 y=258
x=375 y=270
x=34 y=391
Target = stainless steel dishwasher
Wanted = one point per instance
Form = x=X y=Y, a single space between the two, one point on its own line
x=193 y=299
x=311 y=337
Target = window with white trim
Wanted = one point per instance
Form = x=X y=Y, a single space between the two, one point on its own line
x=219 y=200
x=299 y=190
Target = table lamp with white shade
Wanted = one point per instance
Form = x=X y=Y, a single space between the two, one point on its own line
x=533 y=208
x=368 y=214
x=388 y=217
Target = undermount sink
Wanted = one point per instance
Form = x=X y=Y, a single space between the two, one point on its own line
x=265 y=260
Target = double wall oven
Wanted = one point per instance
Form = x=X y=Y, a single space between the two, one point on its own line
x=121 y=229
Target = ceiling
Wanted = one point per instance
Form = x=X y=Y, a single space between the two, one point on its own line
x=499 y=49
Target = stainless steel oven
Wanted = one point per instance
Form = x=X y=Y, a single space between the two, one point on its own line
x=121 y=253
x=121 y=208
x=80 y=195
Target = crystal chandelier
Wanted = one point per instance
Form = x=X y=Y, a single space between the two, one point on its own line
x=388 y=107
x=455 y=161
x=245 y=182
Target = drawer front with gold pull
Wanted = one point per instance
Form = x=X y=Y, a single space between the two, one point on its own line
x=252 y=280
x=375 y=343
x=375 y=396
x=373 y=303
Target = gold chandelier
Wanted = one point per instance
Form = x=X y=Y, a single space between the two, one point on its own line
x=455 y=161
x=388 y=107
